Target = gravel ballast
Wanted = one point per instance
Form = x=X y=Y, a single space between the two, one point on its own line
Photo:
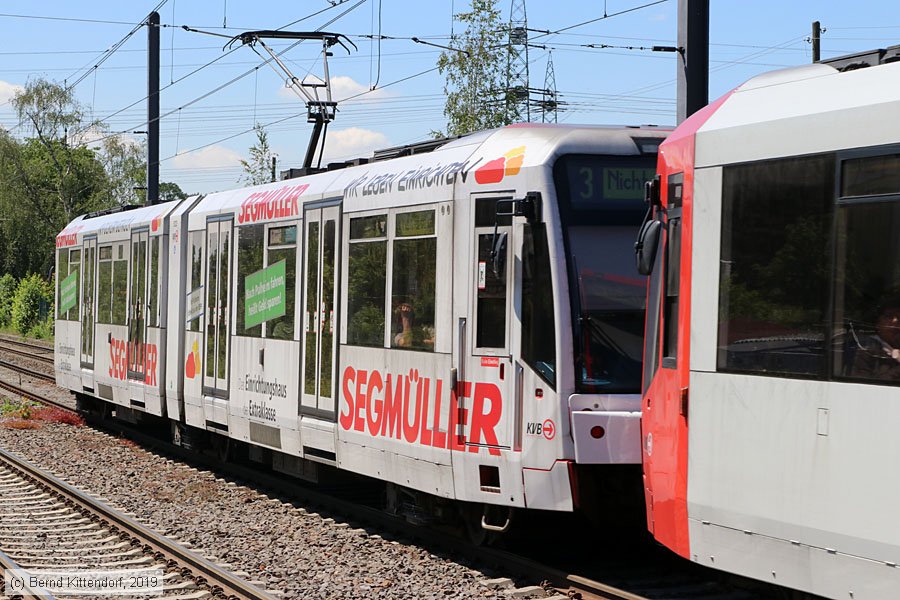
x=285 y=547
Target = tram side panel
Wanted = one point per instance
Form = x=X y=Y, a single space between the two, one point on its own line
x=67 y=327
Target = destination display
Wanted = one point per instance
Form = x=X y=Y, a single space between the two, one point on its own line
x=597 y=184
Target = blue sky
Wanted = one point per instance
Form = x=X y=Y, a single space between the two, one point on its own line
x=202 y=140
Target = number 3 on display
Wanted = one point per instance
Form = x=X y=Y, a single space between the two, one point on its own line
x=588 y=182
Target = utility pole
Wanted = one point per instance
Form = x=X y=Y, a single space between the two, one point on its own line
x=693 y=50
x=816 y=41
x=549 y=102
x=518 y=91
x=152 y=108
x=274 y=162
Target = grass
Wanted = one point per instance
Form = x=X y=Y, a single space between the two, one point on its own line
x=14 y=414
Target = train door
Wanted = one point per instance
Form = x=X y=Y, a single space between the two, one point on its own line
x=218 y=285
x=486 y=380
x=320 y=285
x=88 y=317
x=665 y=411
x=137 y=305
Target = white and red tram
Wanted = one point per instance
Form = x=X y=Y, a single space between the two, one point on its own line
x=465 y=322
x=771 y=398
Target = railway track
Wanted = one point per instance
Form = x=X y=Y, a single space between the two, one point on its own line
x=17 y=342
x=26 y=371
x=47 y=524
x=44 y=358
x=650 y=584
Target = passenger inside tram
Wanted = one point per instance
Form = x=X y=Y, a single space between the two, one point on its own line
x=877 y=355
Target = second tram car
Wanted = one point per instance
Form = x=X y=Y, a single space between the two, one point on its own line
x=465 y=322
x=772 y=361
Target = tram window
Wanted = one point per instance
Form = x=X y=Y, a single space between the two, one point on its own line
x=75 y=268
x=364 y=228
x=104 y=286
x=867 y=293
x=283 y=246
x=538 y=323
x=490 y=329
x=62 y=271
x=120 y=289
x=675 y=184
x=153 y=320
x=414 y=263
x=871 y=175
x=195 y=300
x=250 y=260
x=486 y=213
x=774 y=280
x=367 y=277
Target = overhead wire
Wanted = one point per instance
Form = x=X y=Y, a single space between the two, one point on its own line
x=226 y=84
x=112 y=50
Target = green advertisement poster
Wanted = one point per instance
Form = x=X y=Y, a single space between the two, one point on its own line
x=264 y=295
x=68 y=292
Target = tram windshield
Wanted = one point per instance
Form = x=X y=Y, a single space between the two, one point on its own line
x=601 y=205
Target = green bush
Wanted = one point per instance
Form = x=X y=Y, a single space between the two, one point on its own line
x=33 y=296
x=43 y=330
x=7 y=291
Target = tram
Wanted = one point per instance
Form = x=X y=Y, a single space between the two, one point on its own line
x=771 y=371
x=464 y=323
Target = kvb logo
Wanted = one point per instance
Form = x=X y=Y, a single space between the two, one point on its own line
x=506 y=166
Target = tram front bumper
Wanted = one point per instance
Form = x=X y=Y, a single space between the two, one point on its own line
x=606 y=428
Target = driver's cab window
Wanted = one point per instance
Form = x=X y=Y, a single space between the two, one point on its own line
x=491 y=274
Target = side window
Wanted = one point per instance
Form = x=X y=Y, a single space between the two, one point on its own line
x=867 y=280
x=675 y=183
x=195 y=298
x=153 y=317
x=62 y=272
x=491 y=288
x=367 y=277
x=538 y=325
x=104 y=285
x=120 y=285
x=414 y=263
x=250 y=261
x=282 y=247
x=774 y=280
x=74 y=278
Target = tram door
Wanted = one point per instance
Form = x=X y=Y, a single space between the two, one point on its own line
x=320 y=285
x=218 y=285
x=137 y=305
x=88 y=318
x=486 y=337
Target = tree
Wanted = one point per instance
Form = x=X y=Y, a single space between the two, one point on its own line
x=258 y=169
x=475 y=71
x=125 y=163
x=169 y=191
x=48 y=168
x=45 y=181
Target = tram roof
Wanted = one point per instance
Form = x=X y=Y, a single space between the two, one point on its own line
x=801 y=110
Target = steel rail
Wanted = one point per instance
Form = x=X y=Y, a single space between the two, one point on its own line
x=11 y=387
x=27 y=371
x=221 y=583
x=39 y=357
x=9 y=340
x=8 y=564
x=513 y=563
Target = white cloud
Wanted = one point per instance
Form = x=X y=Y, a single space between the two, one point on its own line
x=352 y=143
x=342 y=87
x=92 y=136
x=211 y=156
x=8 y=90
x=658 y=17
